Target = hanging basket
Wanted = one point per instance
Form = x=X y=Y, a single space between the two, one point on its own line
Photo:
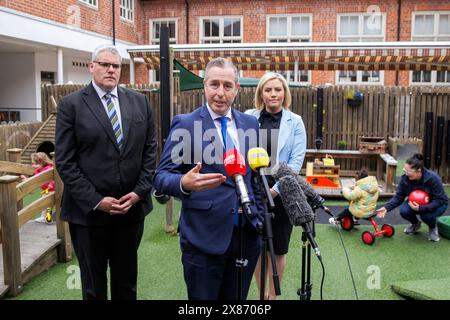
x=354 y=98
x=353 y=102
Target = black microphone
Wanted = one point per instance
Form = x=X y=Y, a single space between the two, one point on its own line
x=160 y=197
x=297 y=207
x=314 y=199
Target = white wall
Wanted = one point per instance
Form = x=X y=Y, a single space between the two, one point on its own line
x=76 y=74
x=18 y=85
x=44 y=61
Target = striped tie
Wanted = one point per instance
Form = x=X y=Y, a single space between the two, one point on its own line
x=114 y=118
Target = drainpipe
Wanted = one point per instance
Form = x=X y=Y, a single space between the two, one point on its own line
x=187 y=21
x=399 y=9
x=113 y=22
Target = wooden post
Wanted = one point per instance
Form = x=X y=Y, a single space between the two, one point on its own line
x=14 y=154
x=380 y=169
x=390 y=176
x=10 y=234
x=62 y=228
x=169 y=228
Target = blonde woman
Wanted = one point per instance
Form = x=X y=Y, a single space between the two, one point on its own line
x=285 y=134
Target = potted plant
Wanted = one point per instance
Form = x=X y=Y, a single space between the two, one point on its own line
x=342 y=144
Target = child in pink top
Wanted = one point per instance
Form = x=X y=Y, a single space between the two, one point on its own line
x=40 y=163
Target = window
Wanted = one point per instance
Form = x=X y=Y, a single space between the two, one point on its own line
x=361 y=28
x=430 y=77
x=221 y=30
x=90 y=3
x=365 y=77
x=430 y=26
x=291 y=28
x=126 y=10
x=155 y=28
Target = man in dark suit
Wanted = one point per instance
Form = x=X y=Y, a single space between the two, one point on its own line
x=105 y=155
x=192 y=170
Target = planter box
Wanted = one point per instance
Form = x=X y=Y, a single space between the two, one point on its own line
x=372 y=144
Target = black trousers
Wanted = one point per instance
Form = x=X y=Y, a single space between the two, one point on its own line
x=115 y=245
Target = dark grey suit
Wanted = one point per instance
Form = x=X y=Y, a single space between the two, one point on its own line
x=92 y=167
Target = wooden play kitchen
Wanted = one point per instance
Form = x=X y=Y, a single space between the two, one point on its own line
x=323 y=173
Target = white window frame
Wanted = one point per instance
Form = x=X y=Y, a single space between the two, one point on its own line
x=289 y=37
x=359 y=74
x=126 y=10
x=435 y=35
x=150 y=33
x=221 y=38
x=433 y=80
x=88 y=4
x=360 y=38
x=152 y=73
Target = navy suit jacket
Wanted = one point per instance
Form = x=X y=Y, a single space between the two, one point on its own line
x=207 y=217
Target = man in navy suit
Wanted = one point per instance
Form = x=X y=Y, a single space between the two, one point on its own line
x=191 y=169
x=106 y=156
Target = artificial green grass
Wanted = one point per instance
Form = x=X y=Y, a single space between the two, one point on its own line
x=375 y=268
x=434 y=289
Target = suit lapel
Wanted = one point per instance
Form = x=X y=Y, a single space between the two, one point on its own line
x=93 y=102
x=209 y=127
x=239 y=125
x=125 y=112
x=285 y=130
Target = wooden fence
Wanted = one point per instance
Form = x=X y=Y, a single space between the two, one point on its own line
x=396 y=112
x=16 y=135
x=26 y=250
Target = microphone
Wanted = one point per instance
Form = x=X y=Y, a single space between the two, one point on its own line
x=234 y=164
x=259 y=160
x=297 y=208
x=314 y=199
x=160 y=197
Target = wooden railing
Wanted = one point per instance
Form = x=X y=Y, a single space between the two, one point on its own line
x=13 y=217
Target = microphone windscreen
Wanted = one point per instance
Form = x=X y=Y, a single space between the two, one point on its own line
x=283 y=170
x=234 y=163
x=258 y=158
x=294 y=201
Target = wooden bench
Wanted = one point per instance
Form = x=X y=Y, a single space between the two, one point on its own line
x=386 y=164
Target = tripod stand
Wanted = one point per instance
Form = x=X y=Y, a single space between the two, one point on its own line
x=306 y=286
x=241 y=262
x=266 y=230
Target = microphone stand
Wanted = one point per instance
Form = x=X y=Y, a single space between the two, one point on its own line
x=267 y=232
x=306 y=286
x=241 y=262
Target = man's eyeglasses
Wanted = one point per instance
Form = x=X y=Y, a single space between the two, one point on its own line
x=408 y=171
x=106 y=65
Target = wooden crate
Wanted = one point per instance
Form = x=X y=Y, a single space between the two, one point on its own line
x=372 y=144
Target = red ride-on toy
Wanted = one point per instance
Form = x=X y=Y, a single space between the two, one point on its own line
x=369 y=237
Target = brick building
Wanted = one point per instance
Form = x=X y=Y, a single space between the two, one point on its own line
x=51 y=40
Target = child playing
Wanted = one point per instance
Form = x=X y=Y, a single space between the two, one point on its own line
x=363 y=197
x=40 y=163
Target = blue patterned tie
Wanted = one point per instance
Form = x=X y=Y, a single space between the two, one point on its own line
x=228 y=144
x=114 y=118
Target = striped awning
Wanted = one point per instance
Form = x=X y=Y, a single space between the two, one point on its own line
x=309 y=56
